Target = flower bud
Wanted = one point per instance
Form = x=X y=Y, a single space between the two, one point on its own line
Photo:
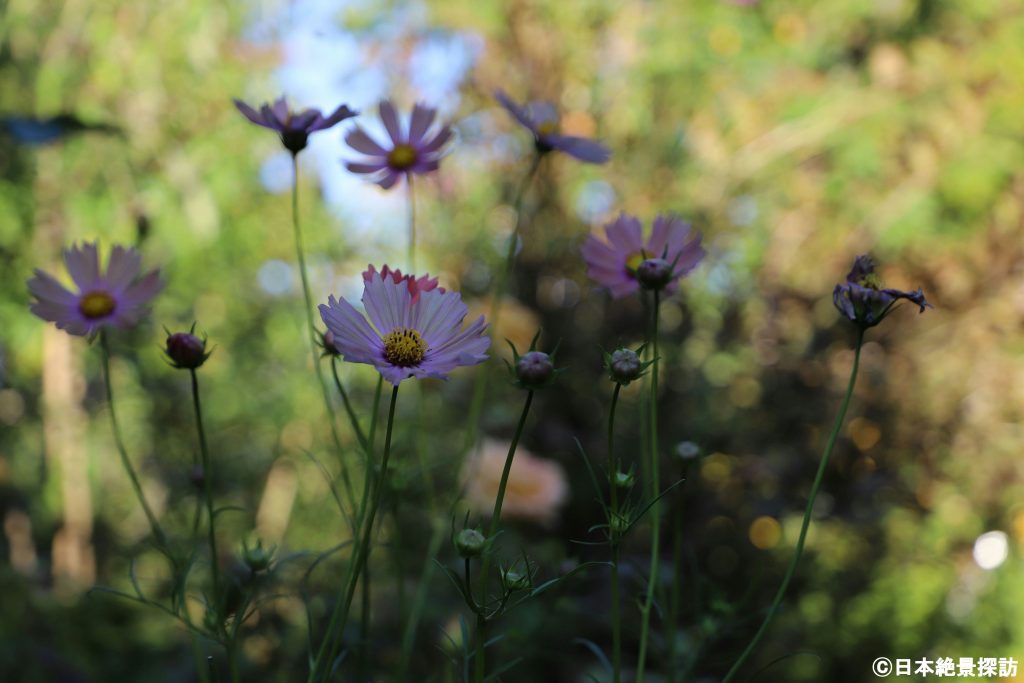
x=470 y=543
x=514 y=581
x=534 y=369
x=688 y=450
x=186 y=351
x=654 y=273
x=623 y=480
x=327 y=344
x=258 y=558
x=625 y=366
x=619 y=524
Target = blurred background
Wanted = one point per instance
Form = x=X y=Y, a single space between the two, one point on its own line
x=794 y=134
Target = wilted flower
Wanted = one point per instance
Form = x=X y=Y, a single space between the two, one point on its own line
x=185 y=350
x=614 y=263
x=293 y=127
x=541 y=119
x=406 y=336
x=418 y=151
x=424 y=283
x=536 y=487
x=863 y=301
x=116 y=298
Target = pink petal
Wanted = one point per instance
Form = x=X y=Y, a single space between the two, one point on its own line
x=83 y=264
x=123 y=267
x=353 y=336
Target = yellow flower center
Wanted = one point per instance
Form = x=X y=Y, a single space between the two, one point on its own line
x=96 y=305
x=402 y=157
x=871 y=281
x=547 y=127
x=633 y=262
x=404 y=347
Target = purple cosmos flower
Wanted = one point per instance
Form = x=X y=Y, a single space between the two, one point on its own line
x=541 y=119
x=406 y=337
x=293 y=127
x=417 y=151
x=117 y=298
x=863 y=301
x=613 y=264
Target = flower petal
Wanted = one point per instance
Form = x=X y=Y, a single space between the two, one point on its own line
x=387 y=303
x=358 y=140
x=584 y=149
x=83 y=264
x=123 y=267
x=422 y=117
x=353 y=336
x=519 y=112
x=390 y=118
x=250 y=113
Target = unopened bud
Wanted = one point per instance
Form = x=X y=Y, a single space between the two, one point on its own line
x=623 y=480
x=534 y=369
x=470 y=543
x=654 y=273
x=625 y=366
x=186 y=351
x=514 y=581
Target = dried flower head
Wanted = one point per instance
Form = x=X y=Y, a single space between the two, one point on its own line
x=293 y=127
x=862 y=299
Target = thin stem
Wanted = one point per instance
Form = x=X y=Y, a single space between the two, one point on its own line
x=480 y=384
x=311 y=326
x=613 y=539
x=158 y=533
x=412 y=223
x=481 y=622
x=207 y=490
x=329 y=646
x=655 y=510
x=791 y=570
x=360 y=435
x=675 y=597
x=420 y=600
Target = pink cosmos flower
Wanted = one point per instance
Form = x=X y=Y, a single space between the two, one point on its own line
x=412 y=331
x=417 y=150
x=118 y=297
x=541 y=119
x=536 y=489
x=424 y=283
x=613 y=263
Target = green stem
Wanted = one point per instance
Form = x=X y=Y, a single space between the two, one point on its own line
x=481 y=622
x=613 y=540
x=675 y=597
x=208 y=491
x=329 y=646
x=480 y=382
x=791 y=570
x=158 y=533
x=655 y=510
x=360 y=436
x=311 y=327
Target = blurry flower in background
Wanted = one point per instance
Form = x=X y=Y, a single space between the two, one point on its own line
x=417 y=151
x=861 y=299
x=116 y=298
x=408 y=338
x=424 y=283
x=613 y=263
x=536 y=490
x=293 y=127
x=541 y=119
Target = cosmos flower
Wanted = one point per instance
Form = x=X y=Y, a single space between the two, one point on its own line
x=417 y=151
x=410 y=333
x=115 y=298
x=293 y=127
x=862 y=300
x=614 y=263
x=536 y=488
x=424 y=283
x=541 y=119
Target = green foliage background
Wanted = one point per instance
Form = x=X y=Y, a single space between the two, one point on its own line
x=794 y=134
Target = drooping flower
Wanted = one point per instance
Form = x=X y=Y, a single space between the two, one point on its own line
x=118 y=297
x=541 y=119
x=406 y=336
x=614 y=263
x=424 y=283
x=293 y=127
x=862 y=300
x=536 y=489
x=416 y=150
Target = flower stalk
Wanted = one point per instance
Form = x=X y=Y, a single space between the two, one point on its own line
x=805 y=525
